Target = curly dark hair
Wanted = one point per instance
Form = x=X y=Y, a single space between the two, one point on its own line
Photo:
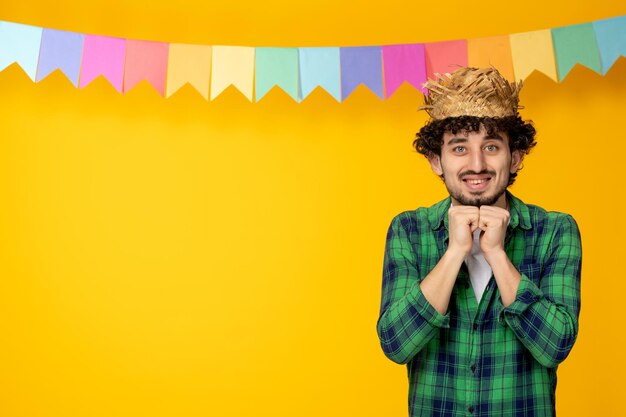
x=429 y=139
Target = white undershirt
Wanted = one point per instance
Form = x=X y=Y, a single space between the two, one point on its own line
x=479 y=269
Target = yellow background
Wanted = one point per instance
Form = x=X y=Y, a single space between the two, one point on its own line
x=188 y=258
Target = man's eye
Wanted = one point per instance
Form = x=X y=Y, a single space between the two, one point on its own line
x=491 y=148
x=458 y=149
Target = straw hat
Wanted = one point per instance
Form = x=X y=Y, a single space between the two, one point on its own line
x=481 y=92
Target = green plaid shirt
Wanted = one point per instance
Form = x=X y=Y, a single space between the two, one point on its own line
x=482 y=359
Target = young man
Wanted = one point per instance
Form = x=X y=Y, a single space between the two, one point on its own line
x=481 y=292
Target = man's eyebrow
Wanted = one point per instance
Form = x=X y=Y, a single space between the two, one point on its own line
x=454 y=141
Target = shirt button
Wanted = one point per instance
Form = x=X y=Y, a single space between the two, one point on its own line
x=473 y=367
x=475 y=326
x=471 y=409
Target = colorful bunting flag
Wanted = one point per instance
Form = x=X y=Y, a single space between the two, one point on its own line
x=60 y=50
x=611 y=37
x=298 y=71
x=444 y=57
x=403 y=63
x=103 y=56
x=533 y=51
x=232 y=65
x=493 y=52
x=20 y=43
x=361 y=65
x=575 y=44
x=189 y=64
x=320 y=67
x=277 y=66
x=145 y=61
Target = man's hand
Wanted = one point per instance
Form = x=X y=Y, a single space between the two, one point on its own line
x=438 y=284
x=493 y=222
x=462 y=221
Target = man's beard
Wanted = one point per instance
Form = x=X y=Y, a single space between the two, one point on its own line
x=475 y=200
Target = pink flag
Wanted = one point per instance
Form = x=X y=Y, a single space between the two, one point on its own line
x=403 y=63
x=103 y=56
x=445 y=57
x=146 y=61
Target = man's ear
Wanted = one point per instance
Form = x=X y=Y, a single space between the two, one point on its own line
x=435 y=164
x=516 y=160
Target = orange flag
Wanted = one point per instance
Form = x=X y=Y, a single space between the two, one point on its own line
x=493 y=52
x=189 y=64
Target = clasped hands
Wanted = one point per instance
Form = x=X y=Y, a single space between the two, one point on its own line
x=464 y=220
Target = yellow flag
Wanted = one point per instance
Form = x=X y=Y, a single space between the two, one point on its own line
x=533 y=51
x=232 y=65
x=189 y=64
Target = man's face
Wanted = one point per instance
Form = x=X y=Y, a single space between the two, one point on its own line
x=476 y=167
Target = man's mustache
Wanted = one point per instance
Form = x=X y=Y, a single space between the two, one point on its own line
x=470 y=172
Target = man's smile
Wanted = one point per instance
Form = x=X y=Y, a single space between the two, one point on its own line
x=477 y=182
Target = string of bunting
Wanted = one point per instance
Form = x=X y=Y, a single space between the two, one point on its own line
x=254 y=71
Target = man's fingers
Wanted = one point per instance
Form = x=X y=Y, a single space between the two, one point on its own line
x=491 y=216
x=465 y=212
x=463 y=220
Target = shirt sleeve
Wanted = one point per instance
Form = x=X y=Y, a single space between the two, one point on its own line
x=545 y=317
x=407 y=320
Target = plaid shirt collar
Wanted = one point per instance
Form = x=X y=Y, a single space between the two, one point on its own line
x=520 y=215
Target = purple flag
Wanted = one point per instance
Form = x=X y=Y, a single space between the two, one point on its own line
x=404 y=63
x=62 y=50
x=361 y=65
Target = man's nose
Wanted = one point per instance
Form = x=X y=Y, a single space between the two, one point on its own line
x=477 y=162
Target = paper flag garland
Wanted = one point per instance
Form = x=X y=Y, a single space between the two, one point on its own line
x=575 y=44
x=361 y=65
x=103 y=56
x=298 y=71
x=320 y=67
x=277 y=66
x=403 y=63
x=60 y=50
x=232 y=65
x=533 y=51
x=442 y=57
x=145 y=61
x=491 y=52
x=20 y=43
x=611 y=38
x=189 y=64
